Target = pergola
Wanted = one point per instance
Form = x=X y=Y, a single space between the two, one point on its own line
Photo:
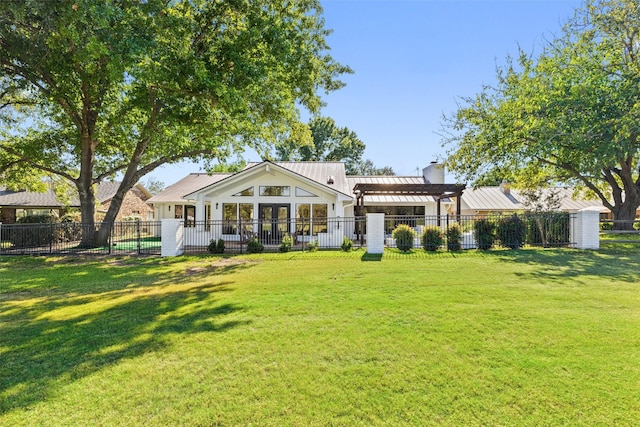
x=438 y=191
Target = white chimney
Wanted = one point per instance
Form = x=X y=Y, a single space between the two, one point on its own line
x=434 y=173
x=505 y=187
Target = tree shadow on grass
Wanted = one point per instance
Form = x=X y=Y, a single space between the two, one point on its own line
x=49 y=337
x=622 y=265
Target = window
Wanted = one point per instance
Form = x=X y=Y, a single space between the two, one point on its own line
x=319 y=216
x=178 y=212
x=311 y=218
x=244 y=193
x=275 y=190
x=301 y=192
x=231 y=212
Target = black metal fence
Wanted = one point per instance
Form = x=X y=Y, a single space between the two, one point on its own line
x=272 y=235
x=126 y=237
x=455 y=232
x=295 y=234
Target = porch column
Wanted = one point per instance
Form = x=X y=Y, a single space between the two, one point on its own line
x=200 y=213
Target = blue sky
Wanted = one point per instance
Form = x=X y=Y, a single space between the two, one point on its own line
x=413 y=60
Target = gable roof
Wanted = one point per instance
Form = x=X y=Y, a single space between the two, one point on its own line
x=494 y=199
x=194 y=181
x=318 y=172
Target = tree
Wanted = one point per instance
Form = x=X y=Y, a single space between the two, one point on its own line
x=570 y=115
x=154 y=186
x=367 y=167
x=92 y=89
x=323 y=140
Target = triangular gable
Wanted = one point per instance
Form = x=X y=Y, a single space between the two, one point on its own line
x=266 y=165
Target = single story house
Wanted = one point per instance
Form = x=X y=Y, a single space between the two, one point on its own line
x=17 y=204
x=282 y=195
x=503 y=199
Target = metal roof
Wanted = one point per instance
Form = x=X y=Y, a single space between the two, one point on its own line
x=319 y=172
x=494 y=199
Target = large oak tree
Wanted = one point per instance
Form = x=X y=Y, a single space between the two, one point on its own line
x=94 y=89
x=569 y=115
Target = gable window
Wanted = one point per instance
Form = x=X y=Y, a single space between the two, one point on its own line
x=275 y=190
x=301 y=192
x=244 y=193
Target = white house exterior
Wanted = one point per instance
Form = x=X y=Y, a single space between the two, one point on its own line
x=308 y=199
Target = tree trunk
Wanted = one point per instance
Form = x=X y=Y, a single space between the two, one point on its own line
x=625 y=214
x=114 y=207
x=87 y=214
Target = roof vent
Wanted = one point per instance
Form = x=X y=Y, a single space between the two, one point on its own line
x=331 y=179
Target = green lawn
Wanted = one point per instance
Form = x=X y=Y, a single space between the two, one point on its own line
x=530 y=337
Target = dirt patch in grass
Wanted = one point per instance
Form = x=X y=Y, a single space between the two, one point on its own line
x=217 y=265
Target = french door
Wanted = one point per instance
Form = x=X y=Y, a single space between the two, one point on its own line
x=274 y=221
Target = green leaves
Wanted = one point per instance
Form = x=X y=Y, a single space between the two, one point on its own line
x=123 y=86
x=569 y=115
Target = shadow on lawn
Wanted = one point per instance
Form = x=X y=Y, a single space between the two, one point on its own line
x=618 y=264
x=53 y=334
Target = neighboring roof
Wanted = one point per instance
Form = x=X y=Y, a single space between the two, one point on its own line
x=494 y=199
x=108 y=189
x=30 y=199
x=48 y=199
x=187 y=185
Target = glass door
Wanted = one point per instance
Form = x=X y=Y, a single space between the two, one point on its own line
x=274 y=222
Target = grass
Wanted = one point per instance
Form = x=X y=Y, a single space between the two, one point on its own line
x=528 y=337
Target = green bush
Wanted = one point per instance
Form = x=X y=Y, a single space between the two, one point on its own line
x=216 y=247
x=347 y=244
x=313 y=245
x=404 y=235
x=484 y=233
x=511 y=231
x=454 y=237
x=636 y=225
x=254 y=246
x=606 y=226
x=286 y=243
x=431 y=238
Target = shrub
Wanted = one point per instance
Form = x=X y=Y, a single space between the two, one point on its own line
x=347 y=244
x=313 y=245
x=216 y=247
x=404 y=235
x=286 y=243
x=636 y=225
x=511 y=231
x=454 y=236
x=605 y=226
x=431 y=238
x=254 y=246
x=484 y=233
